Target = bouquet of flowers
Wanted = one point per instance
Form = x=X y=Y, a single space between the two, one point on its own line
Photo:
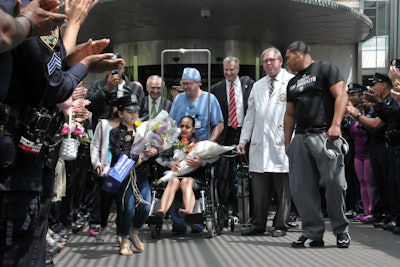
x=204 y=150
x=182 y=148
x=160 y=132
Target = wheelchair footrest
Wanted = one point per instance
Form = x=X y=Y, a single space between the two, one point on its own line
x=194 y=218
x=152 y=219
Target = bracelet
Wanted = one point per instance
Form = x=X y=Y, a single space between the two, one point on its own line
x=29 y=19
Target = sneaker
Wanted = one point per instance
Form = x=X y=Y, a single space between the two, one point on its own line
x=93 y=231
x=360 y=217
x=367 y=218
x=343 y=240
x=304 y=242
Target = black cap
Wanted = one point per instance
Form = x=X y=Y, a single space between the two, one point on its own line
x=355 y=88
x=381 y=77
x=177 y=86
x=114 y=95
x=128 y=102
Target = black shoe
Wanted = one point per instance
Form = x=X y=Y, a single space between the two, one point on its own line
x=304 y=242
x=293 y=225
x=49 y=260
x=278 y=233
x=343 y=240
x=178 y=228
x=196 y=229
x=390 y=225
x=382 y=222
x=292 y=217
x=252 y=231
x=396 y=230
x=76 y=228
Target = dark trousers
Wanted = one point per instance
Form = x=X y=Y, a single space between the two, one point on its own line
x=393 y=189
x=18 y=221
x=75 y=186
x=94 y=216
x=263 y=185
x=226 y=171
x=379 y=178
x=39 y=245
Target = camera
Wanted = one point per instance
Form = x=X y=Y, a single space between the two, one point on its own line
x=115 y=56
x=395 y=62
x=36 y=123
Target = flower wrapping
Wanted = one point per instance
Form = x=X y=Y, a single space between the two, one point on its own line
x=161 y=132
x=203 y=149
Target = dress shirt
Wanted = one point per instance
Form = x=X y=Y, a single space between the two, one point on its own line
x=239 y=99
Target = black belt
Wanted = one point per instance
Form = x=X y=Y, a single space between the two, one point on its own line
x=310 y=131
x=233 y=129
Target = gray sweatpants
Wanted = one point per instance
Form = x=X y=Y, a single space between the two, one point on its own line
x=310 y=168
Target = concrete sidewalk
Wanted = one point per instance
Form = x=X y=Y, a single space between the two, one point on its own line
x=369 y=247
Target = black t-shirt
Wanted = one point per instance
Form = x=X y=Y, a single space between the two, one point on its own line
x=314 y=103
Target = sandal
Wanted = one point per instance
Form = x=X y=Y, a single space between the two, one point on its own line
x=125 y=249
x=134 y=238
x=183 y=212
x=100 y=238
x=160 y=214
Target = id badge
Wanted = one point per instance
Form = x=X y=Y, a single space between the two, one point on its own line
x=197 y=124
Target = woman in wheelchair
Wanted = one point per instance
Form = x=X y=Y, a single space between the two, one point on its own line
x=190 y=181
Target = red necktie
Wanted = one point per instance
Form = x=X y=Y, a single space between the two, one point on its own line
x=232 y=107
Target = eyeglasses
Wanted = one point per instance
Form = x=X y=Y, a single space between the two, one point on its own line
x=269 y=60
x=187 y=83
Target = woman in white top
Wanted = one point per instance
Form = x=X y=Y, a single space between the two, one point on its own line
x=100 y=155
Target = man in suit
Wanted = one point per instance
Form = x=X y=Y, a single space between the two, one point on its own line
x=233 y=106
x=268 y=163
x=154 y=102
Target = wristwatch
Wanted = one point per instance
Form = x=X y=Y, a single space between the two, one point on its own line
x=358 y=115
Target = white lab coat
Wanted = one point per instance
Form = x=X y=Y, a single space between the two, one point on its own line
x=263 y=125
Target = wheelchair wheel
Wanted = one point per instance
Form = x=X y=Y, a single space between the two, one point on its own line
x=232 y=225
x=217 y=213
x=210 y=228
x=155 y=231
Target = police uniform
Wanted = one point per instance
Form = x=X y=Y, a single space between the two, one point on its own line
x=100 y=99
x=37 y=84
x=388 y=112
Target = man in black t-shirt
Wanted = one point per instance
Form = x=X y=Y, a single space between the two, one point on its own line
x=316 y=103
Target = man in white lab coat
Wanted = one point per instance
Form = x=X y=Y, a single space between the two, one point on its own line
x=263 y=128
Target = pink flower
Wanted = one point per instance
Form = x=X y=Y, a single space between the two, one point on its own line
x=65 y=129
x=78 y=131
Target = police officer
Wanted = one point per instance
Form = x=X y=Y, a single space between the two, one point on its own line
x=380 y=154
x=37 y=84
x=389 y=115
x=101 y=91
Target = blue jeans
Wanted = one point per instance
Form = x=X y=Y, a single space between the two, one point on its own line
x=131 y=217
x=173 y=211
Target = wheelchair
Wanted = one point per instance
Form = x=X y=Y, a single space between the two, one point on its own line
x=207 y=210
